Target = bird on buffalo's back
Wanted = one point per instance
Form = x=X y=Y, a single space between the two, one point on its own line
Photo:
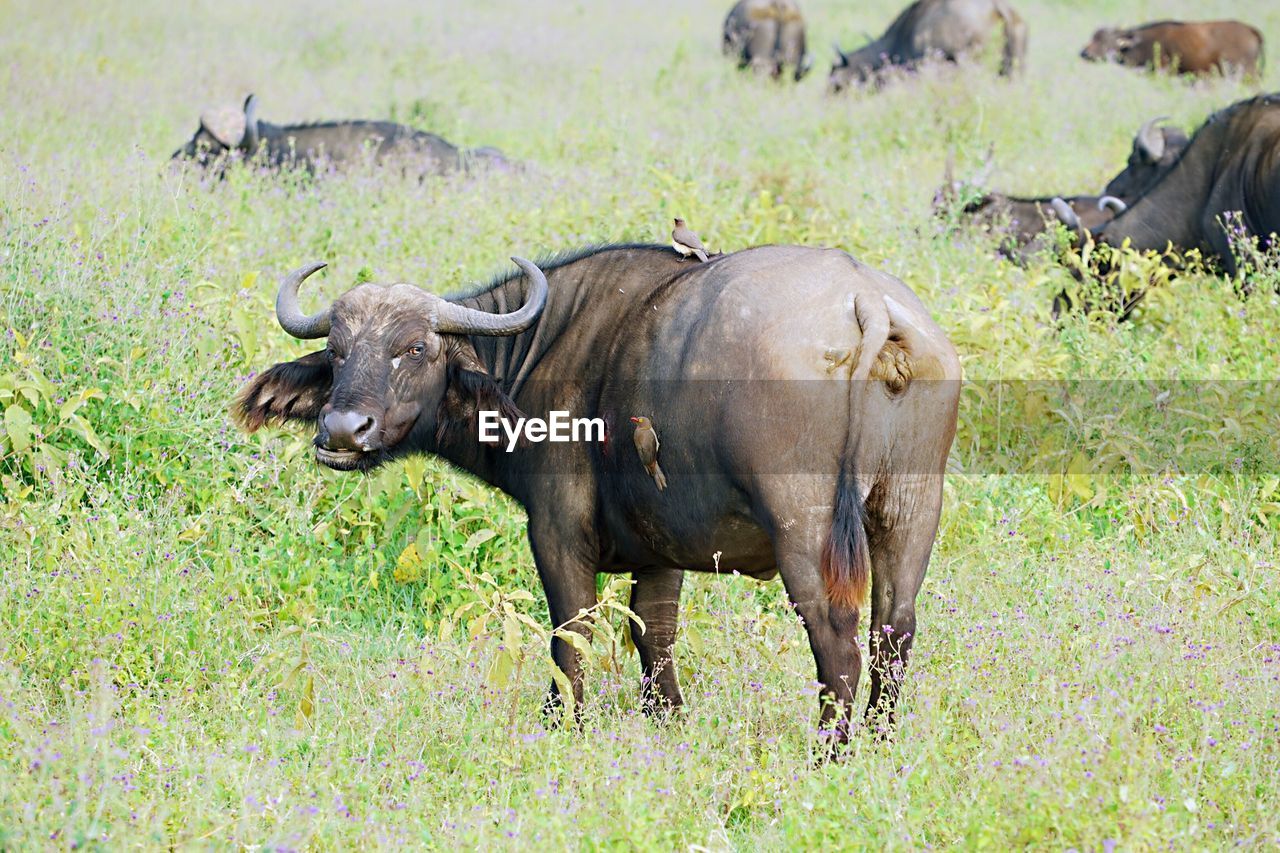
x=686 y=242
x=646 y=439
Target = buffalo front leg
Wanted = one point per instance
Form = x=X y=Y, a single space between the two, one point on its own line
x=569 y=580
x=655 y=598
x=832 y=634
x=904 y=523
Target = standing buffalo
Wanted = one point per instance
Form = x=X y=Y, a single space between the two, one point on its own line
x=767 y=35
x=1225 y=187
x=239 y=132
x=950 y=29
x=1200 y=48
x=1022 y=220
x=805 y=402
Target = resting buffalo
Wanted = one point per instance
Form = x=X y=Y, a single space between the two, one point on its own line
x=950 y=29
x=767 y=35
x=805 y=405
x=1201 y=47
x=1022 y=220
x=239 y=132
x=1228 y=171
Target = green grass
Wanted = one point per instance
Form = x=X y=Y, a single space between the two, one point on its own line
x=205 y=639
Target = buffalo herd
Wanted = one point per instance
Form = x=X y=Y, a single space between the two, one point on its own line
x=718 y=357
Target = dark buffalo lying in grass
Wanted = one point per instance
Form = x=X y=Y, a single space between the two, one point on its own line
x=231 y=132
x=946 y=29
x=767 y=35
x=805 y=404
x=1200 y=48
x=1020 y=220
x=1222 y=192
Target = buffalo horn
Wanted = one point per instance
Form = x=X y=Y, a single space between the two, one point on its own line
x=459 y=319
x=251 y=123
x=291 y=318
x=1110 y=202
x=1066 y=215
x=1151 y=140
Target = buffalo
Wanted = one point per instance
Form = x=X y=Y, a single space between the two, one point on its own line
x=1199 y=48
x=1223 y=189
x=805 y=404
x=950 y=29
x=1021 y=220
x=234 y=132
x=767 y=35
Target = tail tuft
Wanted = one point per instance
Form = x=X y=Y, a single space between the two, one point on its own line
x=845 y=559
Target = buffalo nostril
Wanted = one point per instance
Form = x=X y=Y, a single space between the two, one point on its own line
x=350 y=430
x=366 y=432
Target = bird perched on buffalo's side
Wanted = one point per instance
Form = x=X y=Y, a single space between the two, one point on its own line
x=686 y=242
x=646 y=440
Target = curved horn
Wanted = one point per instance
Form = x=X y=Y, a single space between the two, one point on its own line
x=251 y=123
x=1066 y=215
x=459 y=319
x=291 y=318
x=1110 y=202
x=1150 y=140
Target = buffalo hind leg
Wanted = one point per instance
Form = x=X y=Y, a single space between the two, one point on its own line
x=832 y=635
x=655 y=598
x=904 y=513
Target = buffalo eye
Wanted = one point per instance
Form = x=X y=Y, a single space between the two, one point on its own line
x=416 y=351
x=334 y=356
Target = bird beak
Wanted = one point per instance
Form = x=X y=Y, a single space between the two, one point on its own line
x=635 y=420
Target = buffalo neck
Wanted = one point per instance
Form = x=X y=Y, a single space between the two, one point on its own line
x=562 y=355
x=584 y=294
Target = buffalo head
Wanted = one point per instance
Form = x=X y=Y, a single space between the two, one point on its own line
x=223 y=131
x=857 y=69
x=399 y=369
x=1155 y=149
x=1107 y=45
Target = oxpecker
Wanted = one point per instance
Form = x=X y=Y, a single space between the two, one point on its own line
x=647 y=446
x=686 y=242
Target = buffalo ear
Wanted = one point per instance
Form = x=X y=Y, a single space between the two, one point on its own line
x=470 y=390
x=290 y=391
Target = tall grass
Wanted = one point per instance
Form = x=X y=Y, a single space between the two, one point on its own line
x=206 y=639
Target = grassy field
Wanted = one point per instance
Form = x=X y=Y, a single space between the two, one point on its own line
x=205 y=639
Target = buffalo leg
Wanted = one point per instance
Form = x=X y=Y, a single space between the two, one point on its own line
x=903 y=524
x=569 y=580
x=655 y=598
x=832 y=634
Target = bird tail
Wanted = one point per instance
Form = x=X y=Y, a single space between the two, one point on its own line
x=702 y=256
x=659 y=477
